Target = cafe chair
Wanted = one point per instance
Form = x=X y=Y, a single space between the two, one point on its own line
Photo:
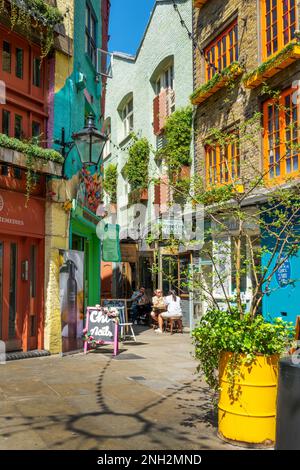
x=125 y=326
x=173 y=325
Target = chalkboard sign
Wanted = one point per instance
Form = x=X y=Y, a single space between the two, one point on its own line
x=101 y=329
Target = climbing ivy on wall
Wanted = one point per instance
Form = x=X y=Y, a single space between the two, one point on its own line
x=178 y=132
x=110 y=182
x=136 y=168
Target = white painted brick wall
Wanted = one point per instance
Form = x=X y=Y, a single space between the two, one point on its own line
x=164 y=37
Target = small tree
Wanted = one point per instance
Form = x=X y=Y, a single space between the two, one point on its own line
x=250 y=225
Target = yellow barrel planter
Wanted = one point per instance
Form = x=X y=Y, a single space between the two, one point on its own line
x=249 y=414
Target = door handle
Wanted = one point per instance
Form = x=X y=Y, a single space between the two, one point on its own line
x=24 y=270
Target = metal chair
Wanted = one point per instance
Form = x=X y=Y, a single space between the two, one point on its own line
x=124 y=326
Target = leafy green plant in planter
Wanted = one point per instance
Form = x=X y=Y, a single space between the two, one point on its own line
x=136 y=168
x=244 y=337
x=110 y=182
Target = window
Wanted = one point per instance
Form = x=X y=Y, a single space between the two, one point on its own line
x=5 y=122
x=165 y=80
x=37 y=79
x=127 y=118
x=90 y=35
x=36 y=131
x=281 y=138
x=222 y=164
x=17 y=172
x=107 y=146
x=18 y=127
x=6 y=57
x=19 y=63
x=278 y=25
x=222 y=51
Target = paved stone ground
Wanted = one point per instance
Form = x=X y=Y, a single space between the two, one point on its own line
x=147 y=398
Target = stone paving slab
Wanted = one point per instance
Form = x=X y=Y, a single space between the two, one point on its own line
x=96 y=402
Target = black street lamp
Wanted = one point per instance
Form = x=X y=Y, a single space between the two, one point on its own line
x=89 y=142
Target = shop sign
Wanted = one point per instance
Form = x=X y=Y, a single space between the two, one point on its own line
x=172 y=227
x=101 y=328
x=283 y=274
x=18 y=218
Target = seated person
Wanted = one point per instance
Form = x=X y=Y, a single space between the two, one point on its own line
x=140 y=304
x=159 y=305
x=173 y=303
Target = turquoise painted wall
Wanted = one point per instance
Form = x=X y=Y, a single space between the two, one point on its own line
x=283 y=290
x=70 y=105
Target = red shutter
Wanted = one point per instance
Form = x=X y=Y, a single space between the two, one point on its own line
x=156 y=126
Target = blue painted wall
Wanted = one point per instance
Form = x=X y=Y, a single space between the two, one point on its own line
x=71 y=105
x=283 y=299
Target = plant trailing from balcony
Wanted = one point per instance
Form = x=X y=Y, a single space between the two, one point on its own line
x=136 y=168
x=268 y=64
x=34 y=15
x=30 y=149
x=32 y=153
x=178 y=132
x=110 y=182
x=228 y=75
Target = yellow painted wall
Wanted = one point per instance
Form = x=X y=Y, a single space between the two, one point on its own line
x=63 y=70
x=57 y=237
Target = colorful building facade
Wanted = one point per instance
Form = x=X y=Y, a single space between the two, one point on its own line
x=145 y=89
x=257 y=44
x=48 y=201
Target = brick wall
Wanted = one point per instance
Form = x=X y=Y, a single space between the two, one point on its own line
x=225 y=108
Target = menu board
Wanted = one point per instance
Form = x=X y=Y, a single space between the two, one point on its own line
x=101 y=329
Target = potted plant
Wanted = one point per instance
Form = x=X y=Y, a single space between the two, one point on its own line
x=239 y=358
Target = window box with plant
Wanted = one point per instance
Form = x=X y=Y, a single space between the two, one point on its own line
x=34 y=156
x=219 y=80
x=271 y=67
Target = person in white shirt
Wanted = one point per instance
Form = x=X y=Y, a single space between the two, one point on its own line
x=173 y=303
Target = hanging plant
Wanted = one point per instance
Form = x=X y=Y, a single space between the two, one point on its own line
x=30 y=176
x=34 y=15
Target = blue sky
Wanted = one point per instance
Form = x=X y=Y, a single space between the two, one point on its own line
x=128 y=21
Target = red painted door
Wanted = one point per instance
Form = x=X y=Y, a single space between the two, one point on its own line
x=11 y=315
x=21 y=293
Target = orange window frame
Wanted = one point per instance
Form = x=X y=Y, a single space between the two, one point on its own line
x=222 y=51
x=279 y=23
x=222 y=164
x=281 y=122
